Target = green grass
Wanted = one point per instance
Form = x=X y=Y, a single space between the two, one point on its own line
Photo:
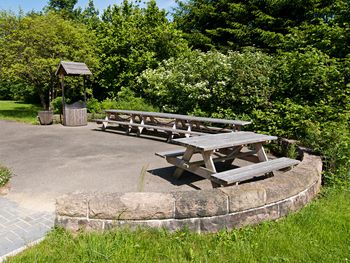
x=5 y=175
x=18 y=111
x=319 y=233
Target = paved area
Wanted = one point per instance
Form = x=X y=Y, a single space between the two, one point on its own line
x=19 y=227
x=48 y=161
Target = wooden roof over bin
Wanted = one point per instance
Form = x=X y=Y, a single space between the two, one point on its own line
x=72 y=69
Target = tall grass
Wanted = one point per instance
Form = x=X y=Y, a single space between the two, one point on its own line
x=319 y=233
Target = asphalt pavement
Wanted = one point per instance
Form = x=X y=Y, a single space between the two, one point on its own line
x=48 y=161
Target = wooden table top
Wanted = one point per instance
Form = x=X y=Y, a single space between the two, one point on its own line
x=223 y=140
x=180 y=117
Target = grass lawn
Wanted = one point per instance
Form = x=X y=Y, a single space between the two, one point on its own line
x=18 y=111
x=319 y=233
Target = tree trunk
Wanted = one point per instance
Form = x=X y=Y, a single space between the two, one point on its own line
x=42 y=100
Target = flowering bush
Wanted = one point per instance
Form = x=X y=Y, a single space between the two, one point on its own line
x=210 y=83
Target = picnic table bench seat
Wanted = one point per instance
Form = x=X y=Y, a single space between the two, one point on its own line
x=168 y=122
x=176 y=153
x=163 y=115
x=153 y=126
x=251 y=171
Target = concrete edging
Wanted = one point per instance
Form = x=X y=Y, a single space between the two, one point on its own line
x=200 y=211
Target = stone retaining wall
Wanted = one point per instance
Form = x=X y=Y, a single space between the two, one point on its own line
x=200 y=211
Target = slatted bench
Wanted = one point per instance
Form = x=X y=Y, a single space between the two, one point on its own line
x=252 y=171
x=167 y=122
x=172 y=153
x=169 y=130
x=218 y=157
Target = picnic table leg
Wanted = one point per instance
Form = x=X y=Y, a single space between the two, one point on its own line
x=232 y=155
x=209 y=164
x=105 y=123
x=140 y=129
x=189 y=128
x=260 y=152
x=186 y=157
x=128 y=128
x=170 y=133
x=154 y=121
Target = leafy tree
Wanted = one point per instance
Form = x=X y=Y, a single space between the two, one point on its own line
x=33 y=46
x=64 y=7
x=329 y=33
x=90 y=15
x=231 y=24
x=132 y=38
x=59 y=5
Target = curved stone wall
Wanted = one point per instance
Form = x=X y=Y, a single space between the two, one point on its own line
x=200 y=211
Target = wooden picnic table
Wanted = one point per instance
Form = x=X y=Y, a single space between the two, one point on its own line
x=168 y=122
x=224 y=147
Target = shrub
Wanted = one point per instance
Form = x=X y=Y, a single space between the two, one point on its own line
x=310 y=77
x=56 y=105
x=126 y=100
x=210 y=83
x=332 y=141
x=93 y=106
x=5 y=175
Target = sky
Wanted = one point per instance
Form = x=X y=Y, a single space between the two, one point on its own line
x=37 y=5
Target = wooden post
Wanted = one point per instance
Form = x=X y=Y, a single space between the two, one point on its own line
x=84 y=90
x=63 y=102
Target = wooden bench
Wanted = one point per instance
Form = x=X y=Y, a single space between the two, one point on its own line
x=153 y=127
x=219 y=157
x=251 y=171
x=170 y=123
x=172 y=153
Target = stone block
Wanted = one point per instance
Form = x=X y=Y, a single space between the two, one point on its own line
x=245 y=196
x=203 y=203
x=286 y=207
x=192 y=224
x=132 y=206
x=312 y=161
x=213 y=224
x=78 y=224
x=73 y=205
x=92 y=225
x=282 y=187
x=252 y=217
x=68 y=223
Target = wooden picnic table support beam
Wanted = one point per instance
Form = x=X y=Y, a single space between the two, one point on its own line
x=209 y=164
x=193 y=168
x=186 y=158
x=260 y=152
